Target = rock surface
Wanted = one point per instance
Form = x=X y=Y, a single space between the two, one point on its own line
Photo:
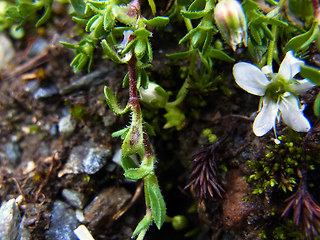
x=62 y=223
x=9 y=220
x=234 y=208
x=87 y=158
x=100 y=211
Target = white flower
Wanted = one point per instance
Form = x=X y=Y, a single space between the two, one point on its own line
x=279 y=96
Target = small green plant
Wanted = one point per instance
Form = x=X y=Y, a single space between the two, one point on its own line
x=279 y=167
x=214 y=31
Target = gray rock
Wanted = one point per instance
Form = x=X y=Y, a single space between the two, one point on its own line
x=86 y=81
x=46 y=92
x=62 y=223
x=9 y=220
x=67 y=126
x=13 y=153
x=74 y=198
x=38 y=47
x=87 y=158
x=100 y=211
x=6 y=51
x=24 y=233
x=31 y=86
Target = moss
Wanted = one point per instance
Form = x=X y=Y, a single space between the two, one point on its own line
x=279 y=167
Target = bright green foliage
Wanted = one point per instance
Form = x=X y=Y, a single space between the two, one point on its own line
x=279 y=167
x=26 y=9
x=124 y=36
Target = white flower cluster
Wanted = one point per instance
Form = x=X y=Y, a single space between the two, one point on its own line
x=278 y=91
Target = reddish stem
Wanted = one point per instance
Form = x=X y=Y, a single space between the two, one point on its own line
x=316 y=9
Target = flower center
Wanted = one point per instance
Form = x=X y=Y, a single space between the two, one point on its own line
x=276 y=88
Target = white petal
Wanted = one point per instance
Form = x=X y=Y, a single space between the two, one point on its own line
x=302 y=86
x=290 y=66
x=265 y=120
x=292 y=114
x=250 y=78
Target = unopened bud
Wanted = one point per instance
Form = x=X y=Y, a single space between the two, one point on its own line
x=179 y=222
x=154 y=96
x=231 y=22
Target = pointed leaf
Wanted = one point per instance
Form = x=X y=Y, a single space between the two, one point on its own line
x=143 y=224
x=110 y=52
x=152 y=6
x=181 y=55
x=316 y=106
x=311 y=73
x=303 y=40
x=218 y=54
x=158 y=206
x=79 y=6
x=47 y=13
x=145 y=168
x=112 y=102
x=121 y=133
x=157 y=21
x=127 y=163
x=195 y=14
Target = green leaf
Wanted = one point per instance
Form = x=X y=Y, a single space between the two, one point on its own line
x=218 y=54
x=157 y=204
x=197 y=5
x=311 y=73
x=91 y=21
x=302 y=41
x=256 y=35
x=152 y=6
x=181 y=55
x=47 y=13
x=125 y=81
x=188 y=35
x=81 y=21
x=194 y=14
x=143 y=224
x=140 y=48
x=316 y=106
x=112 y=102
x=127 y=163
x=150 y=53
x=69 y=45
x=121 y=13
x=157 y=21
x=79 y=6
x=110 y=52
x=121 y=133
x=146 y=167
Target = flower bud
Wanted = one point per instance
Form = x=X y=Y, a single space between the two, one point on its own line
x=231 y=22
x=154 y=96
x=179 y=222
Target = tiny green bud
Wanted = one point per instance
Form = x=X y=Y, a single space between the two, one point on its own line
x=154 y=96
x=179 y=222
x=231 y=22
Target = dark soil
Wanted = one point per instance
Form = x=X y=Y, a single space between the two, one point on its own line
x=32 y=125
